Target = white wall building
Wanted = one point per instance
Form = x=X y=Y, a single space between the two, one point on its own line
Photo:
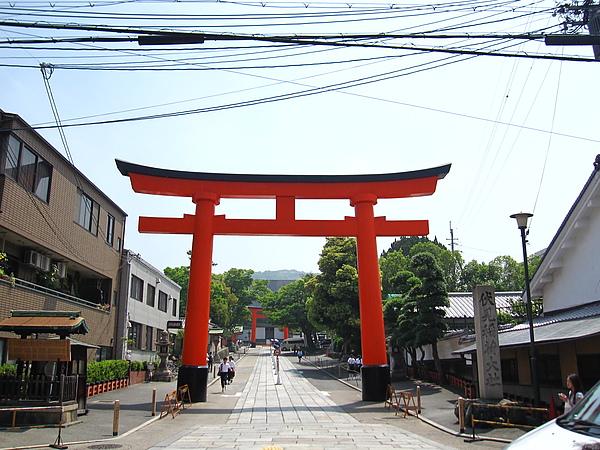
x=149 y=299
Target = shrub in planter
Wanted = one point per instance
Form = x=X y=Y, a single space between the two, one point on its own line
x=107 y=370
x=137 y=366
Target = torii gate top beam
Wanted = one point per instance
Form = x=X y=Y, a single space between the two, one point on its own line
x=152 y=180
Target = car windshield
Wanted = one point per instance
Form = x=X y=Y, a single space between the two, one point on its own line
x=585 y=416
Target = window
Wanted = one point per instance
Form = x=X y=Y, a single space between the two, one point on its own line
x=510 y=370
x=137 y=288
x=87 y=212
x=174 y=313
x=135 y=334
x=110 y=230
x=28 y=169
x=150 y=295
x=162 y=301
x=118 y=244
x=548 y=368
x=149 y=338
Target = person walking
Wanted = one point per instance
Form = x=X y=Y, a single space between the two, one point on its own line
x=224 y=374
x=299 y=354
x=351 y=366
x=231 y=363
x=209 y=361
x=575 y=392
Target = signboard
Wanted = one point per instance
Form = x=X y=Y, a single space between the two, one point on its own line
x=277 y=352
x=174 y=324
x=39 y=349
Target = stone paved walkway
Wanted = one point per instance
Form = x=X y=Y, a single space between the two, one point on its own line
x=285 y=410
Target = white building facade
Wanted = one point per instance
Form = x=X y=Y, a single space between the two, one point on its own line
x=149 y=300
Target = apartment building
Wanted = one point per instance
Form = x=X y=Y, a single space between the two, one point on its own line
x=60 y=236
x=149 y=301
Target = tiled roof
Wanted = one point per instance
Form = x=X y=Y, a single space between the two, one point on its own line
x=574 y=323
x=461 y=303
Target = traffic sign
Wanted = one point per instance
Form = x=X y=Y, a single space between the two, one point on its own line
x=276 y=344
x=277 y=352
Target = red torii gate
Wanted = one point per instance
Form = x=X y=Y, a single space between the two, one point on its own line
x=206 y=190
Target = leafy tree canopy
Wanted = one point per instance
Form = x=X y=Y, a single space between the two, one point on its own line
x=181 y=276
x=334 y=305
x=288 y=307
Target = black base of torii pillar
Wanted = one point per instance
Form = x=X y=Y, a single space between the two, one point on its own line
x=375 y=381
x=196 y=378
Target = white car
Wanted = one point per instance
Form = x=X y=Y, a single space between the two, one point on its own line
x=578 y=429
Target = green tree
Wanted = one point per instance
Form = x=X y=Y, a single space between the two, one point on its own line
x=246 y=289
x=431 y=298
x=335 y=305
x=390 y=265
x=288 y=308
x=405 y=243
x=222 y=304
x=449 y=262
x=400 y=314
x=181 y=276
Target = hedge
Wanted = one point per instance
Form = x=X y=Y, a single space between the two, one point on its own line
x=107 y=370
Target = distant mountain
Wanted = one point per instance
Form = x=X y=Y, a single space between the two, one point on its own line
x=285 y=274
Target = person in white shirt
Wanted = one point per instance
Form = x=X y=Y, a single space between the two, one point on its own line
x=575 y=392
x=351 y=366
x=224 y=373
x=231 y=363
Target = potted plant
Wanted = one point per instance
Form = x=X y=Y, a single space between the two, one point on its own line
x=3 y=266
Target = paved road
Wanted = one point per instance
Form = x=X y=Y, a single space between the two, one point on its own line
x=301 y=408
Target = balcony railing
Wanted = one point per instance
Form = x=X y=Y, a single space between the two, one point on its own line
x=45 y=290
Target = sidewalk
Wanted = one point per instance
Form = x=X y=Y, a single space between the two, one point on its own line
x=308 y=410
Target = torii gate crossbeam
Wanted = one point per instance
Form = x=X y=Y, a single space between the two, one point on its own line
x=206 y=190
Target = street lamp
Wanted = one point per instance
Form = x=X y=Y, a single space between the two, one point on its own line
x=522 y=219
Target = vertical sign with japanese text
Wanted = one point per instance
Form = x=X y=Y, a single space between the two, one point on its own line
x=488 y=350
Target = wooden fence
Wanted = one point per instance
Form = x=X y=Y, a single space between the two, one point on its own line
x=38 y=388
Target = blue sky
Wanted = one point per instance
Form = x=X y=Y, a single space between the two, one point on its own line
x=521 y=134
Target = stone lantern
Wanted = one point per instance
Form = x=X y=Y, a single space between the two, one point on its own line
x=163 y=344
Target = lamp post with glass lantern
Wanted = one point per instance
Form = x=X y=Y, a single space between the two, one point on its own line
x=522 y=219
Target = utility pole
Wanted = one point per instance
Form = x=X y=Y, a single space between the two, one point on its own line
x=575 y=17
x=452 y=238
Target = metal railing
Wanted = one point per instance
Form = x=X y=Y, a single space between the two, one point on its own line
x=45 y=290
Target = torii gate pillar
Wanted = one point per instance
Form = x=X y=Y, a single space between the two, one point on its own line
x=375 y=371
x=194 y=368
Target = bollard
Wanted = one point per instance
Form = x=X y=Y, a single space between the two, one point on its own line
x=116 y=418
x=153 y=402
x=461 y=414
x=419 y=399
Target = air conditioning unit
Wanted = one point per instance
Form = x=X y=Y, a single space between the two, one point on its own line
x=44 y=263
x=36 y=259
x=32 y=257
x=61 y=268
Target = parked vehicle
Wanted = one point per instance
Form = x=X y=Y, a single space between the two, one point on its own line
x=324 y=343
x=290 y=343
x=575 y=429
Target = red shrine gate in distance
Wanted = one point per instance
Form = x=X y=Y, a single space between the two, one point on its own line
x=206 y=190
